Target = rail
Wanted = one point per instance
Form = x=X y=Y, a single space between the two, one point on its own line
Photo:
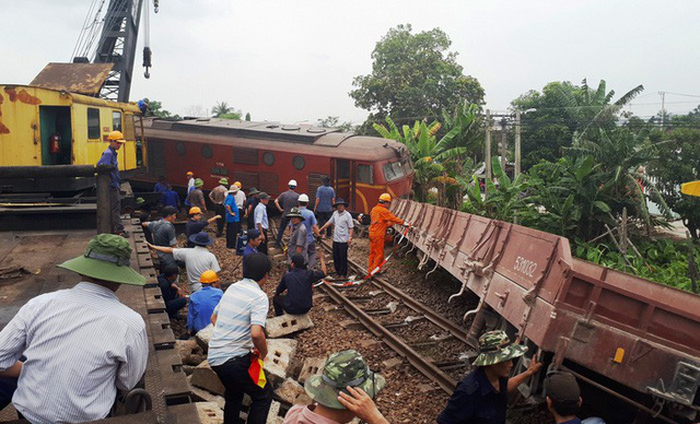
x=422 y=364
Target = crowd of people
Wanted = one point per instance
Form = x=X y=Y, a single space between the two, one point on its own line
x=65 y=355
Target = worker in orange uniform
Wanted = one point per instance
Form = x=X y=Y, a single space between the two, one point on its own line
x=381 y=219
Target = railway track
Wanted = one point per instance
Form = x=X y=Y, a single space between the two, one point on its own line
x=385 y=323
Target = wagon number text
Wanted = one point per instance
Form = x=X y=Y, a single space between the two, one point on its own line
x=525 y=266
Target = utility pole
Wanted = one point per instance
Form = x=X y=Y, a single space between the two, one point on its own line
x=487 y=153
x=663 y=108
x=518 y=151
x=504 y=143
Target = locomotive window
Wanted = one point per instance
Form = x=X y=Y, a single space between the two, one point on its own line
x=207 y=151
x=364 y=174
x=180 y=148
x=393 y=171
x=93 y=117
x=116 y=121
x=129 y=127
x=246 y=156
x=298 y=162
x=269 y=158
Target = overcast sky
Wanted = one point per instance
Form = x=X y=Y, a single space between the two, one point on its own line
x=294 y=60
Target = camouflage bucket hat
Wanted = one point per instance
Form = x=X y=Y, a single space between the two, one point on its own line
x=346 y=368
x=106 y=258
x=495 y=347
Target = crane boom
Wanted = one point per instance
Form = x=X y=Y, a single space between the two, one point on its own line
x=116 y=44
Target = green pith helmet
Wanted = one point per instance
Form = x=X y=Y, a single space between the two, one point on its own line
x=346 y=368
x=495 y=347
x=223 y=181
x=295 y=213
x=198 y=182
x=139 y=201
x=106 y=258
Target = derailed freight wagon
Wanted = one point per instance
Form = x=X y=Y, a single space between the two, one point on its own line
x=56 y=120
x=629 y=337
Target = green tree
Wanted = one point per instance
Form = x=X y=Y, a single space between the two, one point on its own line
x=220 y=108
x=678 y=163
x=156 y=108
x=334 y=122
x=564 y=111
x=414 y=76
x=247 y=116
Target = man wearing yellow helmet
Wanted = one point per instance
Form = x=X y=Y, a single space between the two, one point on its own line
x=109 y=157
x=203 y=302
x=381 y=219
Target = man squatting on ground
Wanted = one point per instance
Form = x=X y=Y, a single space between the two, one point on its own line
x=294 y=293
x=81 y=345
x=203 y=302
x=197 y=259
x=239 y=335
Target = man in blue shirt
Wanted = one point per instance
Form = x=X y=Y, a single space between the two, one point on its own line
x=254 y=241
x=482 y=396
x=204 y=301
x=295 y=291
x=109 y=157
x=311 y=229
x=232 y=218
x=325 y=198
x=170 y=198
x=161 y=186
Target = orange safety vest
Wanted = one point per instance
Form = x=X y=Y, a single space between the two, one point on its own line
x=381 y=219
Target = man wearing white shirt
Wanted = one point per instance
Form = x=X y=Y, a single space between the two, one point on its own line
x=260 y=220
x=81 y=344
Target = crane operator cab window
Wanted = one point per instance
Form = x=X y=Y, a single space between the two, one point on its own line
x=56 y=135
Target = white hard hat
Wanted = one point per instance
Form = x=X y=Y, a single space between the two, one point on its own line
x=292 y=183
x=304 y=198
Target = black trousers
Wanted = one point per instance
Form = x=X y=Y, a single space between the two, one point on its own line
x=232 y=230
x=115 y=204
x=340 y=258
x=278 y=303
x=219 y=209
x=323 y=217
x=173 y=306
x=235 y=378
x=263 y=246
x=284 y=223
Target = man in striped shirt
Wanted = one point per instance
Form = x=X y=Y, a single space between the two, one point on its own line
x=239 y=335
x=81 y=344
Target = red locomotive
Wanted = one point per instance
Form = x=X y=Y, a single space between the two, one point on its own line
x=267 y=155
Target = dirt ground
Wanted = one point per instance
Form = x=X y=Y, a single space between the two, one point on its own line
x=408 y=396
